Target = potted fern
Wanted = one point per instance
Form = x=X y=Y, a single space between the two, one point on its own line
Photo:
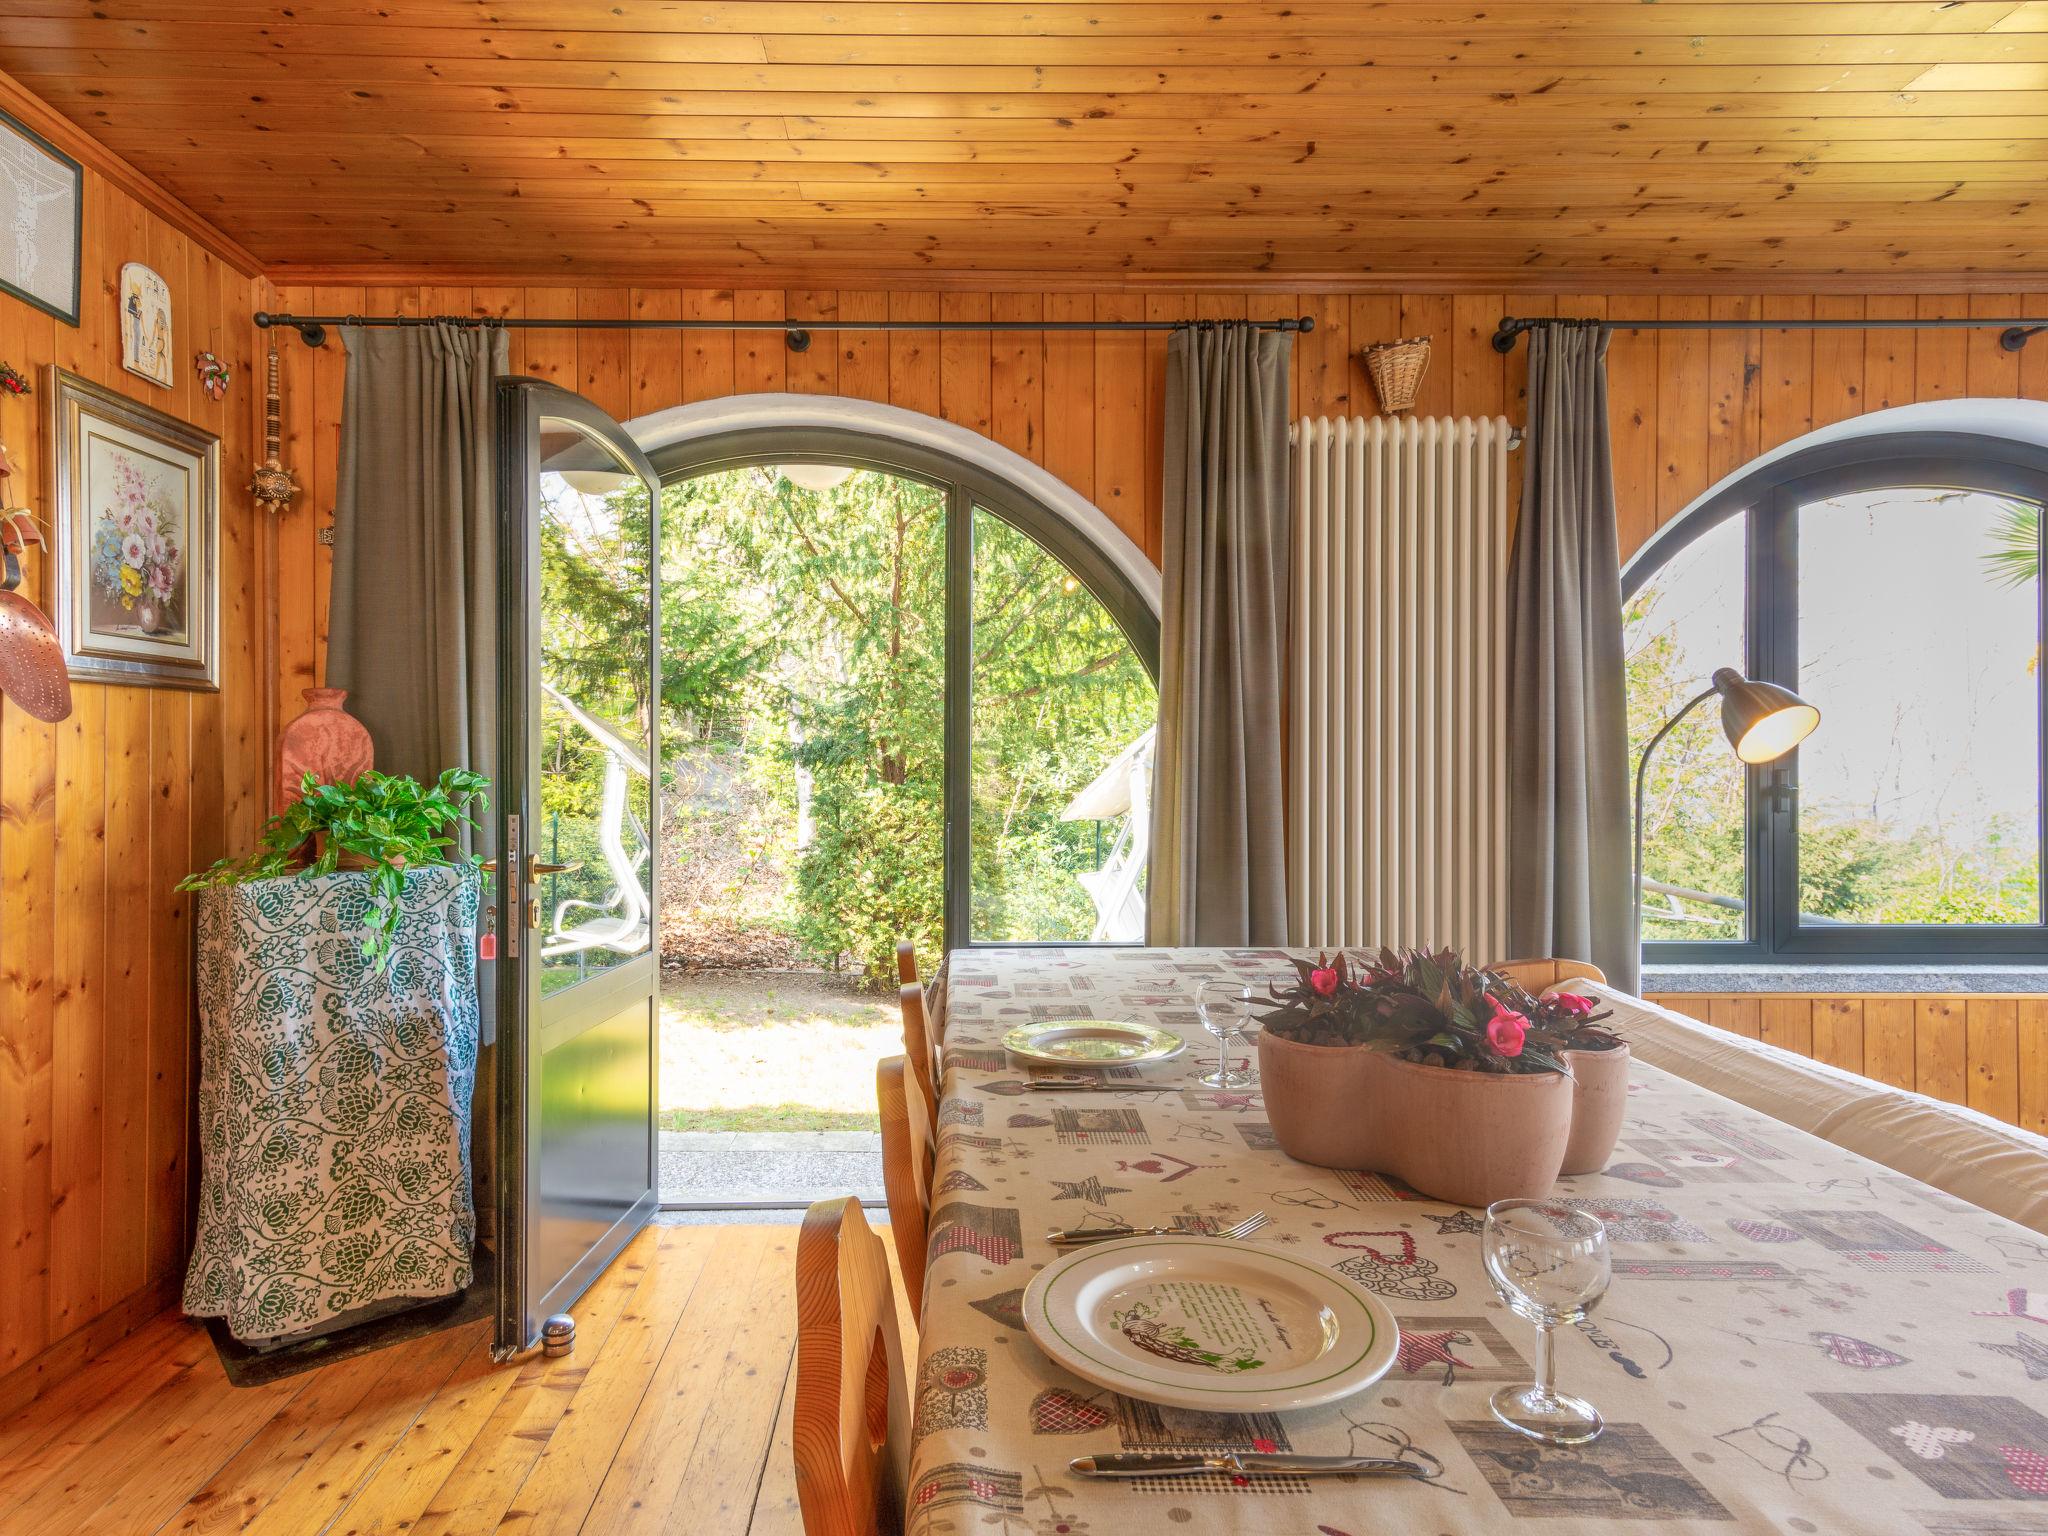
x=1451 y=1078
x=380 y=823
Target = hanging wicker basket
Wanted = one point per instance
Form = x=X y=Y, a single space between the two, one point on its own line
x=1397 y=368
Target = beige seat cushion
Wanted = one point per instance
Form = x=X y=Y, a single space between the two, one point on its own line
x=1966 y=1154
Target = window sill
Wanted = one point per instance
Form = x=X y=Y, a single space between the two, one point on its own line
x=1924 y=979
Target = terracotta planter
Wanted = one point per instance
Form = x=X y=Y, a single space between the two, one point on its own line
x=1599 y=1103
x=344 y=859
x=1467 y=1137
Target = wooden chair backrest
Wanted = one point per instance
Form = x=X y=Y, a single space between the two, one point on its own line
x=850 y=1423
x=917 y=1048
x=1536 y=976
x=906 y=1174
x=934 y=993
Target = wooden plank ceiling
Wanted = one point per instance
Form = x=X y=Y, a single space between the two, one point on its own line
x=827 y=141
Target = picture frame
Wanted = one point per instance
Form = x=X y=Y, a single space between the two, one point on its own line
x=42 y=207
x=135 y=597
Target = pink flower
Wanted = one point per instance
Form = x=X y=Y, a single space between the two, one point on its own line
x=1324 y=981
x=161 y=580
x=1504 y=1031
x=1572 y=1003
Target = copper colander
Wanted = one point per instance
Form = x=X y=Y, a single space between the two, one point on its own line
x=31 y=659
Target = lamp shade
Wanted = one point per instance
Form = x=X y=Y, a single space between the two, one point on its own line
x=1763 y=721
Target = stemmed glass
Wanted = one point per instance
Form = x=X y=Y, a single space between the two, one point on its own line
x=1550 y=1264
x=1225 y=1004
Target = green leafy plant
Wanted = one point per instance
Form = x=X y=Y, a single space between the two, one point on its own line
x=388 y=822
x=1429 y=1007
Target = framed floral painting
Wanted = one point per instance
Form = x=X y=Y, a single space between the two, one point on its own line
x=137 y=590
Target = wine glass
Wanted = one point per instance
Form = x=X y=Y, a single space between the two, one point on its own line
x=1225 y=1004
x=1550 y=1264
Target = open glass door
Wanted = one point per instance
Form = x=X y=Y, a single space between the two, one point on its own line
x=578 y=968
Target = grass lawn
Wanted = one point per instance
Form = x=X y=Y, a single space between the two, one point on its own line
x=772 y=1051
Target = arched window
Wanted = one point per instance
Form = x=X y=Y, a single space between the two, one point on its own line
x=1893 y=580
x=1019 y=686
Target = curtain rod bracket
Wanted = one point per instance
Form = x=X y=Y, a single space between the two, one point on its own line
x=2014 y=337
x=797 y=340
x=311 y=333
x=1505 y=334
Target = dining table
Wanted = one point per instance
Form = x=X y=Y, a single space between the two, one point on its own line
x=1796 y=1339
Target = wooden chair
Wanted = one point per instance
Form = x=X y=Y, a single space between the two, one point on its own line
x=1536 y=976
x=850 y=1423
x=934 y=990
x=907 y=1164
x=917 y=1048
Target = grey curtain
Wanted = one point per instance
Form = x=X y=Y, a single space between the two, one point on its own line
x=1568 y=811
x=413 y=627
x=1218 y=861
x=413 y=608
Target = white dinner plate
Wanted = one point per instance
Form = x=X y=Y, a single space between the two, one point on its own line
x=1092 y=1042
x=1210 y=1323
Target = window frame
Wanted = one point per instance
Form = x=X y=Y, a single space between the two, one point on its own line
x=966 y=486
x=1767 y=500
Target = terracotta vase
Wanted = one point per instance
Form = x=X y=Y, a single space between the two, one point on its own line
x=326 y=741
x=1470 y=1138
x=149 y=615
x=1599 y=1103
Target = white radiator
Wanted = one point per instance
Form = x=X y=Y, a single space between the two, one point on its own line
x=1397 y=789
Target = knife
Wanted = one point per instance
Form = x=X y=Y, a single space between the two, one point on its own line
x=1238 y=1463
x=1088 y=1085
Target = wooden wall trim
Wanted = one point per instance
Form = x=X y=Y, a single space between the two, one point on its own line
x=1432 y=281
x=1987 y=1051
x=19 y=102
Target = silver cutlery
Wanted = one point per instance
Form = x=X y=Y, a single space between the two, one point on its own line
x=1245 y=1463
x=1087 y=1085
x=1075 y=1236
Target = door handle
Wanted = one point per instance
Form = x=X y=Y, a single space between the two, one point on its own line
x=535 y=868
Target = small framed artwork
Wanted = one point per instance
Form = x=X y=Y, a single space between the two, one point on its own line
x=145 y=324
x=42 y=201
x=137 y=588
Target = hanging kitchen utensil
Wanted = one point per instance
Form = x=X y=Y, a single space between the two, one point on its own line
x=31 y=658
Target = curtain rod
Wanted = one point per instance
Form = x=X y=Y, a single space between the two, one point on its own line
x=2013 y=333
x=312 y=329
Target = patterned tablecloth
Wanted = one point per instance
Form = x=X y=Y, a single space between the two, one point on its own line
x=334 y=1103
x=1797 y=1340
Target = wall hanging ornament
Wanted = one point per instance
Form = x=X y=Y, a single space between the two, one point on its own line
x=12 y=383
x=274 y=485
x=1397 y=368
x=145 y=324
x=213 y=375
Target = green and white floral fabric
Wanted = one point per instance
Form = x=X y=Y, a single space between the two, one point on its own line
x=334 y=1103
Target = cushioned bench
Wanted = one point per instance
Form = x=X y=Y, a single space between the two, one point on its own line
x=1996 y=1166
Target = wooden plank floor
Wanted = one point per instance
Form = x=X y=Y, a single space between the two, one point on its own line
x=671 y=1415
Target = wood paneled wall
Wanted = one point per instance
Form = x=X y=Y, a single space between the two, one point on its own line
x=1687 y=408
x=1989 y=1052
x=99 y=815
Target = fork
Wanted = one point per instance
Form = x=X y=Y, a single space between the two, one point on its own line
x=1076 y=1236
